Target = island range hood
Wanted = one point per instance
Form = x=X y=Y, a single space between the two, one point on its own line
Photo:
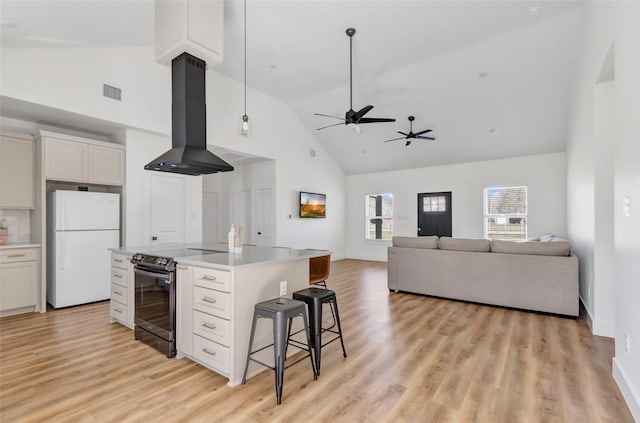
x=189 y=155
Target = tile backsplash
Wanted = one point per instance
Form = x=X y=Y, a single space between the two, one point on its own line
x=18 y=223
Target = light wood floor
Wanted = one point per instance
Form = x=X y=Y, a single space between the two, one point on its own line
x=411 y=358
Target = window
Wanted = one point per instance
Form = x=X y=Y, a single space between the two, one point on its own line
x=434 y=204
x=379 y=209
x=505 y=213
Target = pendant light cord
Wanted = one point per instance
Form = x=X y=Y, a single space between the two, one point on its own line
x=245 y=57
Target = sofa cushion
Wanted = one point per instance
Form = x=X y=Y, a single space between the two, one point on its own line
x=428 y=242
x=464 y=244
x=557 y=248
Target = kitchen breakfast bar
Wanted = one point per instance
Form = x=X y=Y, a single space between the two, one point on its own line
x=215 y=294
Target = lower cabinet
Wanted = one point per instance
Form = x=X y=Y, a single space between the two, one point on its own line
x=122 y=291
x=18 y=280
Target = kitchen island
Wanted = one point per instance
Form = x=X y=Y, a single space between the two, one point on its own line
x=215 y=295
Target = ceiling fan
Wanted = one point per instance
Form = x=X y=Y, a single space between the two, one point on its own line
x=353 y=119
x=411 y=136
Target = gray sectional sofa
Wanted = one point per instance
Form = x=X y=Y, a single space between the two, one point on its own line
x=539 y=276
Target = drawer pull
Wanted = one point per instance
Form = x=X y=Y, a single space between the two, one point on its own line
x=117 y=292
x=208 y=351
x=117 y=310
x=117 y=275
x=209 y=300
x=208 y=278
x=16 y=255
x=182 y=267
x=117 y=260
x=209 y=326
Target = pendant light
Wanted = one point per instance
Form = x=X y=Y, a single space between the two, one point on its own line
x=245 y=124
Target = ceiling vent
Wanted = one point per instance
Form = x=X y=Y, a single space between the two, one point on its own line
x=111 y=92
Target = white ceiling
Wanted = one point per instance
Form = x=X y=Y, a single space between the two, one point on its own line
x=421 y=58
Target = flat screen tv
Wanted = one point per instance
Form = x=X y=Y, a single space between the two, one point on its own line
x=312 y=205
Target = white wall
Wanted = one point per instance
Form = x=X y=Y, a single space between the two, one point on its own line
x=70 y=79
x=607 y=24
x=141 y=148
x=544 y=176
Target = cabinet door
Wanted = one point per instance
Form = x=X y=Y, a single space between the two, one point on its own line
x=106 y=165
x=65 y=160
x=16 y=173
x=18 y=285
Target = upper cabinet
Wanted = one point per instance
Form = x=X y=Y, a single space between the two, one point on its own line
x=191 y=26
x=75 y=159
x=16 y=171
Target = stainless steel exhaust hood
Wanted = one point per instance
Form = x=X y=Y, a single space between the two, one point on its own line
x=189 y=155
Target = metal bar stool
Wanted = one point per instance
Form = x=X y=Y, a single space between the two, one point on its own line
x=281 y=311
x=315 y=298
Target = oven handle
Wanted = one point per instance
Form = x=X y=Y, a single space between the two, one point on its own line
x=164 y=276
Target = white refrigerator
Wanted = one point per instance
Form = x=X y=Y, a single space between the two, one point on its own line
x=81 y=227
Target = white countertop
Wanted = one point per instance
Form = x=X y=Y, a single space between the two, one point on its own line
x=250 y=255
x=13 y=245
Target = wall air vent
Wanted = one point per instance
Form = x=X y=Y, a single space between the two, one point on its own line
x=112 y=92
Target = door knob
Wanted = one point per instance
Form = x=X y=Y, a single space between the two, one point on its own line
x=154 y=238
x=259 y=233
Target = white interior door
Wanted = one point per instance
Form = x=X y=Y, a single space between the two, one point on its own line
x=264 y=217
x=240 y=214
x=210 y=217
x=167 y=208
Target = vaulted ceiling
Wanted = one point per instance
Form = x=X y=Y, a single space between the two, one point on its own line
x=491 y=78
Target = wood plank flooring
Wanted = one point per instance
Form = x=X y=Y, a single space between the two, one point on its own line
x=410 y=358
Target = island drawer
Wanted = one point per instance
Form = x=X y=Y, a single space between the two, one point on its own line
x=119 y=276
x=212 y=327
x=119 y=311
x=212 y=278
x=14 y=255
x=119 y=261
x=119 y=294
x=212 y=302
x=211 y=354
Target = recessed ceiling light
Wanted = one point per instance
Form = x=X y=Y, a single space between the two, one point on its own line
x=535 y=10
x=483 y=74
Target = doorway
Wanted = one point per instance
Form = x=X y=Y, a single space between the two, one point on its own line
x=434 y=214
x=264 y=217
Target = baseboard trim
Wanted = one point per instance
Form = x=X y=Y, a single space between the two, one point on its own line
x=632 y=398
x=335 y=257
x=368 y=258
x=598 y=327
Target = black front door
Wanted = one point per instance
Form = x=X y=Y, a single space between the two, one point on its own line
x=434 y=214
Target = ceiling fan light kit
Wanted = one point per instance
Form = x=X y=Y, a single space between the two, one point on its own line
x=353 y=119
x=409 y=137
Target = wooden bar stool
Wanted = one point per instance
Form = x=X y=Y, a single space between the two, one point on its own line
x=315 y=298
x=281 y=311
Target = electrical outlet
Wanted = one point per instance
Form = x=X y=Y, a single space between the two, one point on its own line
x=627 y=346
x=283 y=288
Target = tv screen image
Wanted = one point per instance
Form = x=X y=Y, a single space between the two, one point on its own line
x=312 y=205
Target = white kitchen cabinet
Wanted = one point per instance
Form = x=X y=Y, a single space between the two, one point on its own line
x=76 y=159
x=16 y=171
x=122 y=307
x=191 y=26
x=106 y=165
x=18 y=280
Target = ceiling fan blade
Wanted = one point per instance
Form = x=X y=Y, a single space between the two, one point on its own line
x=363 y=112
x=396 y=139
x=334 y=117
x=403 y=133
x=375 y=120
x=424 y=132
x=329 y=126
x=425 y=138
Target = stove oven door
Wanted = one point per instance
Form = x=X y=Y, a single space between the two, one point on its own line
x=155 y=302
